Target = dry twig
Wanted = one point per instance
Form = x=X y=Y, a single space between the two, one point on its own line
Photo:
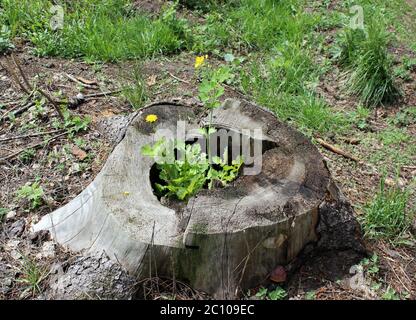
x=86 y=85
x=30 y=135
x=37 y=145
x=336 y=150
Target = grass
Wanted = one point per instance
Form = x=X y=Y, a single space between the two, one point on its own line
x=135 y=91
x=32 y=275
x=369 y=67
x=97 y=30
x=278 y=38
x=285 y=83
x=393 y=145
x=387 y=217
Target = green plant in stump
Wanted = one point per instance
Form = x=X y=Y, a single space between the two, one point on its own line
x=386 y=216
x=33 y=193
x=183 y=178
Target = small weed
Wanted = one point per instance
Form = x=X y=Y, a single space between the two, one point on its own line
x=31 y=192
x=393 y=136
x=404 y=117
x=75 y=124
x=359 y=117
x=310 y=295
x=82 y=143
x=262 y=293
x=135 y=90
x=390 y=294
x=31 y=275
x=276 y=294
x=371 y=264
x=402 y=73
x=27 y=155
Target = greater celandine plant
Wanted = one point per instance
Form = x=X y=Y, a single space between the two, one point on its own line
x=211 y=89
x=184 y=177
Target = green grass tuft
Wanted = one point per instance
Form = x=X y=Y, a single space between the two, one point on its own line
x=386 y=217
x=98 y=30
x=369 y=67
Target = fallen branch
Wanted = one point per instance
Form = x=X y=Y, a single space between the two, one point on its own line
x=28 y=85
x=102 y=94
x=334 y=149
x=15 y=78
x=80 y=98
x=37 y=145
x=179 y=79
x=18 y=111
x=30 y=135
x=53 y=102
x=90 y=86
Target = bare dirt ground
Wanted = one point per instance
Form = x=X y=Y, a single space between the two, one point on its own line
x=65 y=166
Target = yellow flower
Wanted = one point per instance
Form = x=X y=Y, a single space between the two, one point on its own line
x=126 y=193
x=199 y=61
x=151 y=118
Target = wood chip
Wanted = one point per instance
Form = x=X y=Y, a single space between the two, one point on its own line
x=151 y=81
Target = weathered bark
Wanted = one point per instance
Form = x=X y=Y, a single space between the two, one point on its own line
x=224 y=239
x=91 y=277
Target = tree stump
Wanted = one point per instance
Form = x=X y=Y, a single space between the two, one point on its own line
x=224 y=239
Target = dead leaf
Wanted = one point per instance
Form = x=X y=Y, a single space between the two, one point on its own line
x=79 y=153
x=151 y=81
x=107 y=113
